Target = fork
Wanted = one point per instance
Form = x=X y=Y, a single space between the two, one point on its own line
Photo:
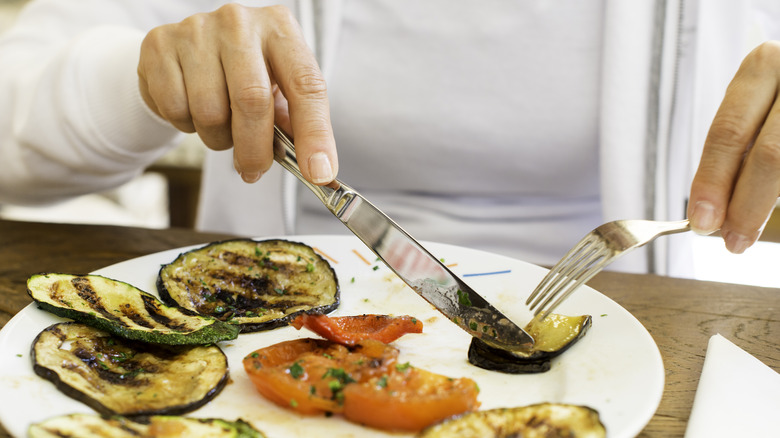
x=595 y=251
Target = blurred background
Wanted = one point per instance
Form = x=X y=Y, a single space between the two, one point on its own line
x=166 y=195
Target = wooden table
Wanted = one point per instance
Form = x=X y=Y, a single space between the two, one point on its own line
x=681 y=315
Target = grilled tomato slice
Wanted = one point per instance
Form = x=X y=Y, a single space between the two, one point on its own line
x=363 y=382
x=349 y=330
x=309 y=375
x=409 y=399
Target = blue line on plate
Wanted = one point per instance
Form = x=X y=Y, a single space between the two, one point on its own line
x=480 y=274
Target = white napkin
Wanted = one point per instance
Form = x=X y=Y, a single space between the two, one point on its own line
x=738 y=395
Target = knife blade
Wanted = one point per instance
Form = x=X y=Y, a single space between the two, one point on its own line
x=414 y=264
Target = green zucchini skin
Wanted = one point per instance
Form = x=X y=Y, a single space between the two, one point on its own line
x=80 y=425
x=544 y=420
x=254 y=284
x=115 y=376
x=124 y=310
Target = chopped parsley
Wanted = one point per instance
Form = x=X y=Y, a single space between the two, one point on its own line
x=339 y=374
x=296 y=370
x=336 y=386
x=463 y=298
x=402 y=367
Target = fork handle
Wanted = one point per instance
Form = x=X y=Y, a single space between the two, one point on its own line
x=672 y=227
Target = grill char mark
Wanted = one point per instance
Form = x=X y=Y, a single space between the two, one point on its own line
x=133 y=315
x=152 y=307
x=264 y=283
x=84 y=289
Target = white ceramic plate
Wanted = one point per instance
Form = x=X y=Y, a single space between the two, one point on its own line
x=616 y=368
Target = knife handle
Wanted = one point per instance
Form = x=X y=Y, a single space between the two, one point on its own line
x=336 y=196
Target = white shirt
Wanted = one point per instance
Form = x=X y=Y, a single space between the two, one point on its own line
x=72 y=119
x=456 y=127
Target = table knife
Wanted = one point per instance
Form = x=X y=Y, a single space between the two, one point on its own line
x=417 y=267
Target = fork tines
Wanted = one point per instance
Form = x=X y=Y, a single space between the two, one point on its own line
x=579 y=265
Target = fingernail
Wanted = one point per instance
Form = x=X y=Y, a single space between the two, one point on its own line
x=703 y=218
x=248 y=177
x=737 y=243
x=320 y=168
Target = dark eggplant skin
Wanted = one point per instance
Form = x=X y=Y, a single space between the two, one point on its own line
x=543 y=420
x=254 y=284
x=116 y=376
x=538 y=359
x=495 y=359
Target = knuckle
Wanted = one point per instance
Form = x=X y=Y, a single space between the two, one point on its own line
x=280 y=13
x=155 y=40
x=254 y=99
x=308 y=82
x=316 y=130
x=767 y=153
x=194 y=21
x=176 y=114
x=231 y=10
x=210 y=118
x=174 y=110
x=731 y=130
x=765 y=54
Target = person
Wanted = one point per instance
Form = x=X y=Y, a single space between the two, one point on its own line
x=514 y=128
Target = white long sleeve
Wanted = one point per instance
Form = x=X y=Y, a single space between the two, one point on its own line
x=72 y=120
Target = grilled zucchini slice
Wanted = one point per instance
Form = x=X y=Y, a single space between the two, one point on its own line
x=544 y=420
x=552 y=336
x=258 y=285
x=158 y=426
x=124 y=310
x=115 y=376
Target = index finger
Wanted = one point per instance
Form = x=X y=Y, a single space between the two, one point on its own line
x=747 y=102
x=295 y=71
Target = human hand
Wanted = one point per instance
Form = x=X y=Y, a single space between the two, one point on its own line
x=229 y=75
x=738 y=180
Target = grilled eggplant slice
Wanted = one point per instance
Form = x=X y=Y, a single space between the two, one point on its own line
x=158 y=426
x=115 y=376
x=545 y=420
x=552 y=336
x=257 y=285
x=124 y=310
